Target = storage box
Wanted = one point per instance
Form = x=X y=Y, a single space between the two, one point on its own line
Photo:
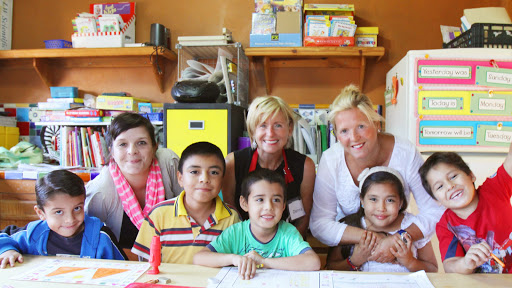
x=6 y=24
x=218 y=123
x=484 y=35
x=106 y=39
x=122 y=103
x=276 y=40
x=328 y=9
x=9 y=136
x=289 y=22
x=64 y=92
x=366 y=36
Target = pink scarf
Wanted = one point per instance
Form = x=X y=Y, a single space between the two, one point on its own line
x=155 y=192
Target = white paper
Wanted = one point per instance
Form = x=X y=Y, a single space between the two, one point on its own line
x=271 y=278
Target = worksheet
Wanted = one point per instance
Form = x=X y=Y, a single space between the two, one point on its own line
x=270 y=278
x=85 y=272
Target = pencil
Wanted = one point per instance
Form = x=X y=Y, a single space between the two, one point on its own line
x=497 y=260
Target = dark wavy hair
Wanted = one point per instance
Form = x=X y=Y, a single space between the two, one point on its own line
x=262 y=174
x=56 y=182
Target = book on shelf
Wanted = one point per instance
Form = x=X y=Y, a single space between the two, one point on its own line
x=84 y=112
x=82 y=146
x=204 y=40
x=58 y=105
x=84 y=119
x=65 y=100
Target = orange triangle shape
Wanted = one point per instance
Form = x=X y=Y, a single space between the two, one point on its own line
x=64 y=270
x=104 y=272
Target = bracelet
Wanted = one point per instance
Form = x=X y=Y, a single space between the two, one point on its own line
x=352 y=266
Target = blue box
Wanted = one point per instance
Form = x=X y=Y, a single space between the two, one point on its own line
x=276 y=40
x=64 y=92
x=154 y=116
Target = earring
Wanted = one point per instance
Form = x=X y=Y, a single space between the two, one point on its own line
x=362 y=206
x=254 y=145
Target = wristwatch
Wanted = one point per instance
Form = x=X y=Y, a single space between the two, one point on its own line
x=402 y=234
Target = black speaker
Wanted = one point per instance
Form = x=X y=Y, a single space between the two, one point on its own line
x=158 y=36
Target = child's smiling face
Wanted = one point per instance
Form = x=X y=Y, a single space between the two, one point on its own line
x=63 y=213
x=452 y=187
x=381 y=207
x=265 y=205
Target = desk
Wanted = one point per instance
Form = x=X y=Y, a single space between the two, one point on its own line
x=197 y=276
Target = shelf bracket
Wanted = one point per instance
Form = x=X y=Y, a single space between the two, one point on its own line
x=159 y=71
x=266 y=69
x=41 y=66
x=362 y=70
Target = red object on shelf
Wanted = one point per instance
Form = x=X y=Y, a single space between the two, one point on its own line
x=328 y=41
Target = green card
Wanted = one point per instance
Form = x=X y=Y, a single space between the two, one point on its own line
x=488 y=135
x=494 y=77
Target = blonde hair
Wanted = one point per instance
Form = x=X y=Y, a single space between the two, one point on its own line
x=350 y=97
x=265 y=107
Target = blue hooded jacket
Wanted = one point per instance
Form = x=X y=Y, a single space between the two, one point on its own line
x=95 y=242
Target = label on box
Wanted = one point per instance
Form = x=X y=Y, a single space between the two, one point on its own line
x=366 y=41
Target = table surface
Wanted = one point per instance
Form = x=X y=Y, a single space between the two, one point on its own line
x=197 y=276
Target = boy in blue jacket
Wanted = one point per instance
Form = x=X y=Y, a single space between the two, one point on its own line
x=64 y=229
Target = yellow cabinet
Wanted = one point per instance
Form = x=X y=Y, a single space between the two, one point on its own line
x=218 y=123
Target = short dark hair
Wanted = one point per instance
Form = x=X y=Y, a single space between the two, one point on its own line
x=262 y=174
x=126 y=121
x=201 y=148
x=58 y=181
x=449 y=158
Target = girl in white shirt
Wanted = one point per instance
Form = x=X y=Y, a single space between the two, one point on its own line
x=383 y=203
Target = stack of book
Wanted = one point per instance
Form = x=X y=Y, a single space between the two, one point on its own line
x=223 y=39
x=54 y=109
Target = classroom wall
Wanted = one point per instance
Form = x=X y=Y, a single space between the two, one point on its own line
x=404 y=25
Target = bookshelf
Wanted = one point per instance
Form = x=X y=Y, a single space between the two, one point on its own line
x=46 y=61
x=317 y=57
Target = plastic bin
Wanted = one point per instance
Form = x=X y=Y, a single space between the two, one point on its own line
x=58 y=43
x=484 y=35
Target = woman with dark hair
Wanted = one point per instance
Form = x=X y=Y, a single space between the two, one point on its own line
x=138 y=176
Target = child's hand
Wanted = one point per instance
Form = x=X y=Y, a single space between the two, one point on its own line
x=363 y=250
x=477 y=255
x=246 y=266
x=401 y=250
x=255 y=257
x=10 y=256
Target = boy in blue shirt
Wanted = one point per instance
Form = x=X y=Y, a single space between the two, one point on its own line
x=263 y=240
x=64 y=228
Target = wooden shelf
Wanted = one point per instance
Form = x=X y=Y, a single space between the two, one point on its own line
x=323 y=57
x=44 y=61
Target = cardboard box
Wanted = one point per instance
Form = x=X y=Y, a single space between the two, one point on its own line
x=366 y=36
x=289 y=22
x=6 y=24
x=276 y=40
x=122 y=103
x=328 y=9
x=106 y=39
